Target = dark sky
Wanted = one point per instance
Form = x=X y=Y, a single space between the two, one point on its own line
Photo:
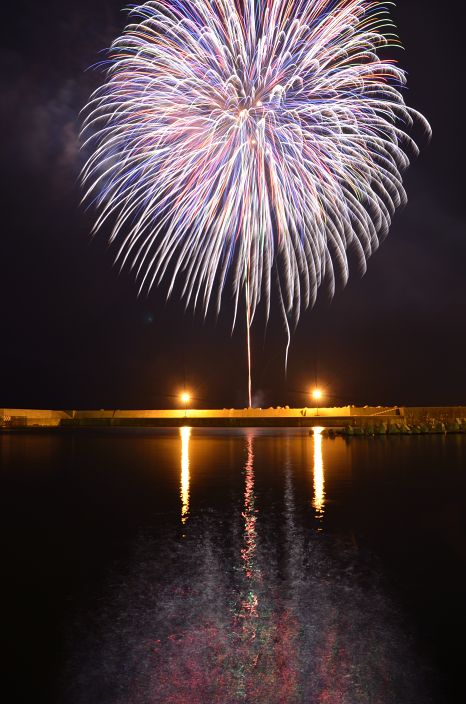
x=75 y=333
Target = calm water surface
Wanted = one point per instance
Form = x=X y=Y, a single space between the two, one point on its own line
x=233 y=566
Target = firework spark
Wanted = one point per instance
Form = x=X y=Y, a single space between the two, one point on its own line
x=249 y=143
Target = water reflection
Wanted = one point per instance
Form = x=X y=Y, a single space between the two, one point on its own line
x=319 y=481
x=249 y=513
x=247 y=615
x=250 y=606
x=185 y=434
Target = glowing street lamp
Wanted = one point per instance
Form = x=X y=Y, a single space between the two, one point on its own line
x=185 y=398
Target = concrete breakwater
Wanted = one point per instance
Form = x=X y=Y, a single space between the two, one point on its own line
x=351 y=420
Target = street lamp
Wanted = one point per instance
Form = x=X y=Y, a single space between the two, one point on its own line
x=185 y=398
x=316 y=395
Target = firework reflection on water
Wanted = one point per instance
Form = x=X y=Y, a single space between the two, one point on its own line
x=253 y=606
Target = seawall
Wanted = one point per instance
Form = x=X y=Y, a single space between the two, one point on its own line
x=337 y=417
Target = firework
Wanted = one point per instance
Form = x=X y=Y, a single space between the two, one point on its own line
x=248 y=144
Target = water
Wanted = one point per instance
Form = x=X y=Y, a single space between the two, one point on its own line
x=233 y=566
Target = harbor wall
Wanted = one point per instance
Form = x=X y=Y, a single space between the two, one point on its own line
x=229 y=417
x=235 y=413
x=21 y=417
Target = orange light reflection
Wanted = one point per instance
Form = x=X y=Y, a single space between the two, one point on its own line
x=185 y=434
x=319 y=481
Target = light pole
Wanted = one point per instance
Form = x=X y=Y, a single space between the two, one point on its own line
x=317 y=395
x=185 y=398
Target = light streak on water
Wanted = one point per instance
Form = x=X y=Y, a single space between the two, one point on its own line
x=185 y=434
x=247 y=617
x=250 y=602
x=319 y=480
x=249 y=513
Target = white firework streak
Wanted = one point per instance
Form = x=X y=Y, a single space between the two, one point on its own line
x=251 y=142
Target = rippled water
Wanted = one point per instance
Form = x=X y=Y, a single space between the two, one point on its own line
x=238 y=566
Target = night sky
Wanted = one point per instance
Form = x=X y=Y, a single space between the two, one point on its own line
x=75 y=333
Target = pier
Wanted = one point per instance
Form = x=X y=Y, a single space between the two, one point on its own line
x=337 y=417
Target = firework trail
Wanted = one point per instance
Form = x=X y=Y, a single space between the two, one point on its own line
x=249 y=143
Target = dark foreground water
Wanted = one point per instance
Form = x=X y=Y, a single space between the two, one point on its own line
x=220 y=566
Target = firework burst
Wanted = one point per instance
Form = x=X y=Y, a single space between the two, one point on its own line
x=249 y=143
